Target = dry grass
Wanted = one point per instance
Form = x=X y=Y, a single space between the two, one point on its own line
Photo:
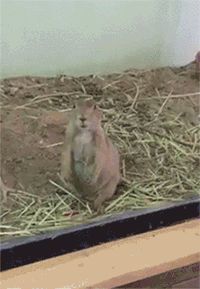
x=160 y=157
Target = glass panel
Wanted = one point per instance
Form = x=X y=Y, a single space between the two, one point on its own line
x=136 y=59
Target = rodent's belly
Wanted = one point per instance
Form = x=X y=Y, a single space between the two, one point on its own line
x=83 y=172
x=84 y=165
x=84 y=177
x=82 y=147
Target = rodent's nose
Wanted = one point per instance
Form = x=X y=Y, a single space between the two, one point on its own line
x=82 y=119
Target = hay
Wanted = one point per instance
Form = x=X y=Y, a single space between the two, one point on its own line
x=160 y=156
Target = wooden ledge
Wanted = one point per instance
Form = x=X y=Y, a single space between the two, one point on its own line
x=112 y=264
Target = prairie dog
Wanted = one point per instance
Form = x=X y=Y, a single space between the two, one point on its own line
x=89 y=162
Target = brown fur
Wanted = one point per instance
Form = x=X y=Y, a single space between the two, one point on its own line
x=90 y=162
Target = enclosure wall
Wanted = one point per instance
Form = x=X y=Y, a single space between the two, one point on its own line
x=48 y=37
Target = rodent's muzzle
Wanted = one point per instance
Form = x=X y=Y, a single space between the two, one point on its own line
x=83 y=124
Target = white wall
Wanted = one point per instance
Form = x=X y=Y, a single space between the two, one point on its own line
x=48 y=37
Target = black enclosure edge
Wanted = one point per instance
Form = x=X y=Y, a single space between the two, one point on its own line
x=21 y=251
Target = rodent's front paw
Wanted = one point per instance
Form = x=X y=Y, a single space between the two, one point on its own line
x=98 y=206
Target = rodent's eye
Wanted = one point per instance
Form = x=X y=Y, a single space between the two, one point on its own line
x=95 y=106
x=74 y=105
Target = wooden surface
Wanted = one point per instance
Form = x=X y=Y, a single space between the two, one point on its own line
x=112 y=264
x=177 y=278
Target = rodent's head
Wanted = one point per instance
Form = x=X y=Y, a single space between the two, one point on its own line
x=86 y=115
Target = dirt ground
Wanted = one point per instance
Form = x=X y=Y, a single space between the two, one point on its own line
x=34 y=109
